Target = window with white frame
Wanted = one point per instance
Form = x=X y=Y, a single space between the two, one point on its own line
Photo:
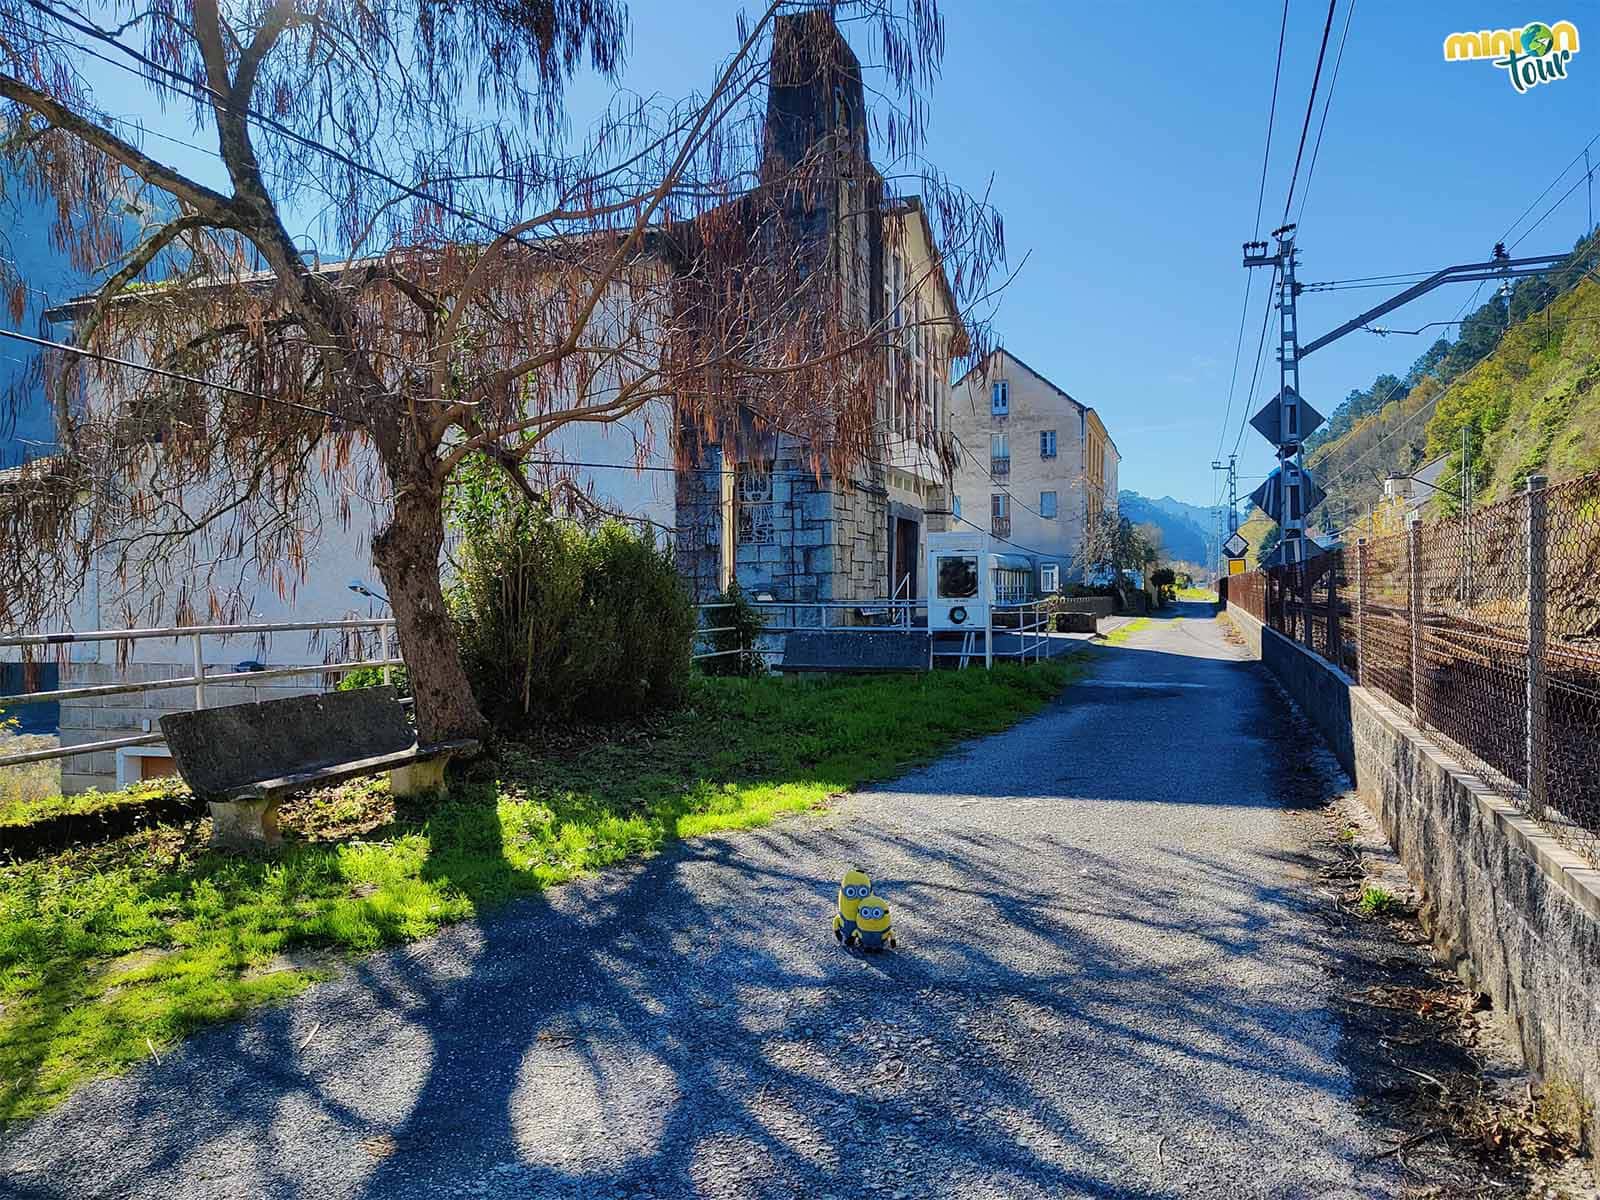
x=1000 y=397
x=1047 y=504
x=1049 y=577
x=1047 y=443
x=999 y=506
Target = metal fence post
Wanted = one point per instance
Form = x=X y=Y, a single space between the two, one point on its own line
x=1306 y=588
x=988 y=637
x=1414 y=615
x=199 y=671
x=1361 y=608
x=383 y=648
x=1537 y=716
x=1334 y=635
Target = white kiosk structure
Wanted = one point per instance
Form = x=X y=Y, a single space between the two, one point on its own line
x=974 y=587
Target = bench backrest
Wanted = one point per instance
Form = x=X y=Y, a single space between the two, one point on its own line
x=217 y=749
x=856 y=650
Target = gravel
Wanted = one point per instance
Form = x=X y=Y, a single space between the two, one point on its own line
x=1114 y=978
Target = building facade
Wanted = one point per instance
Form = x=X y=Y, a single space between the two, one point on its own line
x=763 y=508
x=1034 y=466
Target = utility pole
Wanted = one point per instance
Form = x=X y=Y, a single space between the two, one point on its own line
x=1232 y=468
x=1289 y=493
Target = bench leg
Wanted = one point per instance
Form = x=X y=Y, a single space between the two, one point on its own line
x=423 y=778
x=244 y=824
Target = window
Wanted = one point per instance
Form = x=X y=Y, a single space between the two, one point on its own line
x=1047 y=443
x=1000 y=397
x=999 y=454
x=1049 y=577
x=1047 y=504
x=754 y=502
x=958 y=577
x=955 y=506
x=1000 y=505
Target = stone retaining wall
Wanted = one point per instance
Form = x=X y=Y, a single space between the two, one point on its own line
x=1507 y=906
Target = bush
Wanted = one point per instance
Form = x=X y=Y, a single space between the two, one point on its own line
x=557 y=621
x=741 y=624
x=1165 y=581
x=365 y=677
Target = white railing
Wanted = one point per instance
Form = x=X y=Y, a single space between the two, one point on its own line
x=1031 y=628
x=898 y=612
x=382 y=626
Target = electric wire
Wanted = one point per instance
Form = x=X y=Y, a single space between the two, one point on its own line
x=1311 y=105
x=1333 y=80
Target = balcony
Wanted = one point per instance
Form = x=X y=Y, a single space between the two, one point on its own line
x=1000 y=526
x=999 y=466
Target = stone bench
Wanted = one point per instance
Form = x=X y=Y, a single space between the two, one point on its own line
x=243 y=759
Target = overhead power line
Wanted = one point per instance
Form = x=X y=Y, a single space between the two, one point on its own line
x=1272 y=116
x=1261 y=196
x=1333 y=81
x=161 y=371
x=1255 y=375
x=1311 y=104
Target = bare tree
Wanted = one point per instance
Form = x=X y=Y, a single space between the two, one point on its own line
x=490 y=280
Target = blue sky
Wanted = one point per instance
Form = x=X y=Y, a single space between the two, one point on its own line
x=1125 y=156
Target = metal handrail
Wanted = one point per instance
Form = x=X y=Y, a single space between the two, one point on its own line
x=383 y=626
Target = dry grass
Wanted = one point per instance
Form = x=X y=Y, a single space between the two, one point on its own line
x=31 y=782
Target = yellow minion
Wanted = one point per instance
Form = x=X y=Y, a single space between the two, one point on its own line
x=872 y=924
x=853 y=889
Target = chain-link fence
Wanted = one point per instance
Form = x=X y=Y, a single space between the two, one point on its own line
x=1485 y=627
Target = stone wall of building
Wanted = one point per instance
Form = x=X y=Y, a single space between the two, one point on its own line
x=827 y=540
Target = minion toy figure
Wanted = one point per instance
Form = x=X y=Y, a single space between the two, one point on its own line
x=853 y=889
x=872 y=924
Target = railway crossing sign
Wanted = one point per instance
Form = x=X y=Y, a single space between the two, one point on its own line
x=1235 y=546
x=1286 y=420
x=1288 y=494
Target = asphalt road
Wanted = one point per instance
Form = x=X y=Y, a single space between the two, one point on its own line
x=1112 y=980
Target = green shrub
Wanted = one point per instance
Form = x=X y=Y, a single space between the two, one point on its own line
x=365 y=677
x=558 y=622
x=739 y=624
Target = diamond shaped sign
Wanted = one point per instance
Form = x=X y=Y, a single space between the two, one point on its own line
x=1235 y=546
x=1274 y=423
x=1270 y=496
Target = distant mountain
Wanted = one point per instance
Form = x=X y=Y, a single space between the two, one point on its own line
x=1187 y=530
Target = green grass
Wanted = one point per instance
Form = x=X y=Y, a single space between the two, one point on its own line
x=111 y=952
x=1197 y=593
x=1376 y=901
x=1122 y=633
x=19 y=807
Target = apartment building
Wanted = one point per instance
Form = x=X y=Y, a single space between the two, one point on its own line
x=1034 y=466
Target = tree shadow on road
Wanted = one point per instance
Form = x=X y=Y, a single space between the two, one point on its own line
x=1061 y=1020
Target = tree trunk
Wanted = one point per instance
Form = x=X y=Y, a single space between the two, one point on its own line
x=407 y=555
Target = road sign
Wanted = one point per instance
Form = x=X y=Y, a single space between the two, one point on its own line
x=1271 y=497
x=1286 y=419
x=1236 y=566
x=1235 y=546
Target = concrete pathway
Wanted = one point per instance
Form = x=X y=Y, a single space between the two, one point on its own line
x=1113 y=980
